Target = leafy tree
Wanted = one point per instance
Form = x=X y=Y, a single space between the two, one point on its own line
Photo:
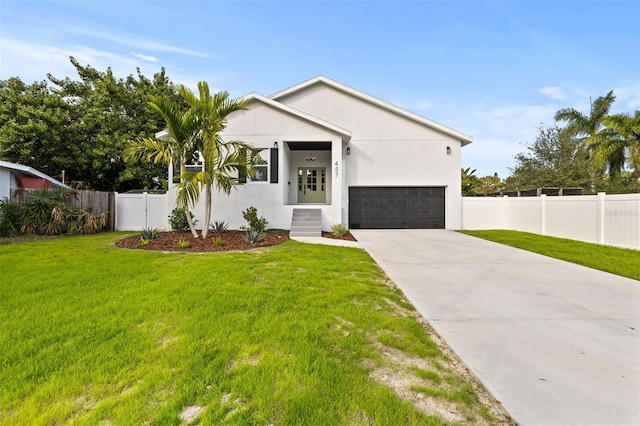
x=82 y=126
x=33 y=127
x=490 y=184
x=555 y=159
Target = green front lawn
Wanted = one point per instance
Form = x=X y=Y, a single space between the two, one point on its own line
x=293 y=334
x=624 y=262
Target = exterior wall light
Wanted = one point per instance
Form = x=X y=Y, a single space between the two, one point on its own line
x=448 y=150
x=348 y=151
x=275 y=144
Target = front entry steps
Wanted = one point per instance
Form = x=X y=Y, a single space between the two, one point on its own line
x=306 y=223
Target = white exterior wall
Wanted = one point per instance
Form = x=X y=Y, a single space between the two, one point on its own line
x=6 y=183
x=387 y=149
x=261 y=126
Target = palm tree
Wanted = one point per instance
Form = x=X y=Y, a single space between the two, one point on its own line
x=470 y=182
x=627 y=130
x=178 y=147
x=592 y=131
x=221 y=159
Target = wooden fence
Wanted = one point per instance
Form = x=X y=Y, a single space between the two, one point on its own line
x=95 y=202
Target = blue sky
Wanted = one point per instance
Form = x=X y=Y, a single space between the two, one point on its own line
x=494 y=70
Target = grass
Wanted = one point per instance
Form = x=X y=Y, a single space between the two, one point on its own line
x=619 y=261
x=293 y=334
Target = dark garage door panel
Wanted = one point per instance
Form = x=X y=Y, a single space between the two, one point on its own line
x=384 y=207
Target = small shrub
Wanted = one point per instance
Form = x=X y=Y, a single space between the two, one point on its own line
x=218 y=227
x=183 y=244
x=252 y=236
x=178 y=220
x=217 y=241
x=149 y=233
x=143 y=242
x=255 y=223
x=339 y=229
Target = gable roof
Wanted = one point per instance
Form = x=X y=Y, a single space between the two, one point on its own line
x=346 y=134
x=30 y=171
x=464 y=139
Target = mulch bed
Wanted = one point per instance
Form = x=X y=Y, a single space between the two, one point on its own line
x=346 y=236
x=232 y=240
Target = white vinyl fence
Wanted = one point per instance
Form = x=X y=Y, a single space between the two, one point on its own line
x=603 y=219
x=137 y=211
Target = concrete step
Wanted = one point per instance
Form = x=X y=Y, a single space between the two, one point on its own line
x=306 y=223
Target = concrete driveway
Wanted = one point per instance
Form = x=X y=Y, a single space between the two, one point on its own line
x=557 y=343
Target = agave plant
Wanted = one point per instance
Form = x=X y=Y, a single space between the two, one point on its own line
x=149 y=233
x=253 y=236
x=218 y=227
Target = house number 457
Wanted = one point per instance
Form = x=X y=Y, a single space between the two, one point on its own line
x=336 y=169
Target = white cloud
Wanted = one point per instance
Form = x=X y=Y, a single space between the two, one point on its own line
x=554 y=92
x=33 y=61
x=501 y=132
x=133 y=40
x=146 y=57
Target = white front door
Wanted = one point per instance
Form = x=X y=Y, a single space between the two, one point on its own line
x=312 y=185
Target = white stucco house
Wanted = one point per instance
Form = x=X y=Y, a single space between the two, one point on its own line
x=346 y=155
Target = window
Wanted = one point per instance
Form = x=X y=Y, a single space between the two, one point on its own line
x=260 y=161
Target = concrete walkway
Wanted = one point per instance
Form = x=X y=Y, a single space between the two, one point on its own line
x=557 y=343
x=327 y=241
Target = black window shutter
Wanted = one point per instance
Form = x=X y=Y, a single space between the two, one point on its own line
x=241 y=177
x=274 y=165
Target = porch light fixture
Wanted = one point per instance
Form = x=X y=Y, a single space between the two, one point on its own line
x=311 y=157
x=448 y=150
x=348 y=151
x=275 y=144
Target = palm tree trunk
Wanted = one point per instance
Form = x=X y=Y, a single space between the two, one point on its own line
x=187 y=213
x=207 y=210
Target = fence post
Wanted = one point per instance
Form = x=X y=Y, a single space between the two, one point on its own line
x=543 y=206
x=601 y=217
x=146 y=209
x=111 y=211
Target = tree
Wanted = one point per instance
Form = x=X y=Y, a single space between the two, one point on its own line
x=490 y=184
x=627 y=138
x=220 y=159
x=195 y=133
x=33 y=127
x=178 y=147
x=470 y=182
x=82 y=126
x=592 y=131
x=555 y=159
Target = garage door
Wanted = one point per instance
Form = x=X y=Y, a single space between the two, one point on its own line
x=384 y=207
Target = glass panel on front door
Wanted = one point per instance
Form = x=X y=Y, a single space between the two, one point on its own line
x=311 y=185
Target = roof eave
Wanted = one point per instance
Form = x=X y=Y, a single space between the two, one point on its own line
x=464 y=138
